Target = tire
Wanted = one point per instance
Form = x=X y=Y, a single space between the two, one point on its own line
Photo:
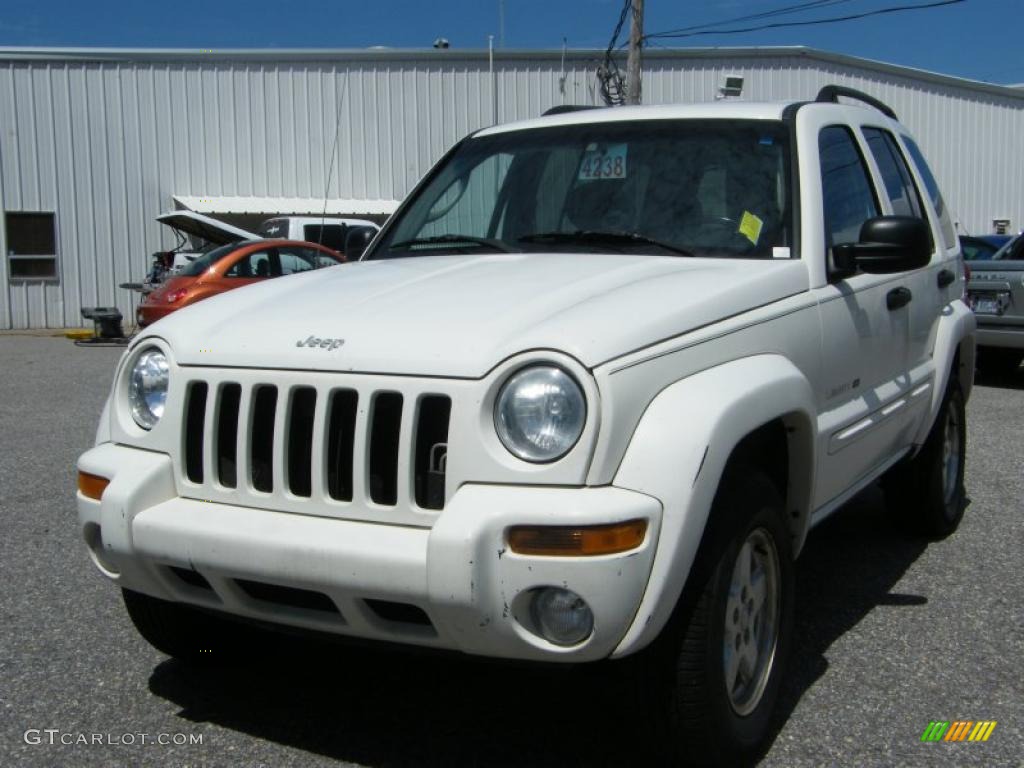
x=703 y=710
x=186 y=633
x=926 y=494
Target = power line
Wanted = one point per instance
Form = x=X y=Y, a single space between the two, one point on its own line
x=781 y=24
x=785 y=10
x=613 y=90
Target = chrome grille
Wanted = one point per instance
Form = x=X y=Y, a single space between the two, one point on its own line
x=317 y=446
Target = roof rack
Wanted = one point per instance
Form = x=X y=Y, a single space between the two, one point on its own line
x=561 y=109
x=831 y=94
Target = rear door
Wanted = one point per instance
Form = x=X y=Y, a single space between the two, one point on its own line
x=930 y=287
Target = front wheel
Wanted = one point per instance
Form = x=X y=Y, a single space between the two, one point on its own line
x=713 y=677
x=926 y=494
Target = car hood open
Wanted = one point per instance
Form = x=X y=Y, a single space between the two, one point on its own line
x=461 y=315
x=211 y=230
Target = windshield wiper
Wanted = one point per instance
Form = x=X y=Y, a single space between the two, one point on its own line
x=455 y=239
x=594 y=236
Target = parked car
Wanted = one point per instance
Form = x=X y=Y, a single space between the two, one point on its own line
x=331 y=232
x=982 y=247
x=582 y=399
x=996 y=294
x=232 y=266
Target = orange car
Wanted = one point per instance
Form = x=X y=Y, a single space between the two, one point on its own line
x=232 y=266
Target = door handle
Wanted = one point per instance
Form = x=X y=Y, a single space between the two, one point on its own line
x=945 y=278
x=898 y=297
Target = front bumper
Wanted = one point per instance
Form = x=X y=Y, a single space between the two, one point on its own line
x=470 y=589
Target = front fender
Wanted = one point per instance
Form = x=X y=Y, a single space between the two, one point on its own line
x=678 y=454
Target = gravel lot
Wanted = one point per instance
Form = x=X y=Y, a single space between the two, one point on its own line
x=890 y=634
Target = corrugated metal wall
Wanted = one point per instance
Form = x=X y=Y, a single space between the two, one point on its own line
x=105 y=140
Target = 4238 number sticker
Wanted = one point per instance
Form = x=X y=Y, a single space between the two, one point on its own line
x=604 y=161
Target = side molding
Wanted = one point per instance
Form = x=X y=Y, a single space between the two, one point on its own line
x=679 y=452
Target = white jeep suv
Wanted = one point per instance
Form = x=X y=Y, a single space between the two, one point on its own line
x=582 y=398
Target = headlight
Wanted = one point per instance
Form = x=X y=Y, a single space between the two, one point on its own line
x=540 y=413
x=147 y=387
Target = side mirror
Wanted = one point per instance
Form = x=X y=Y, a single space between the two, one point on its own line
x=356 y=241
x=887 y=244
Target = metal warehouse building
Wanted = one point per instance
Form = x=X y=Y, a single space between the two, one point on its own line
x=95 y=143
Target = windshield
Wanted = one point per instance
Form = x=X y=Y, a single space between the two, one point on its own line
x=670 y=187
x=207 y=260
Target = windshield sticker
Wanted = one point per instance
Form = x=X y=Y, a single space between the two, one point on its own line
x=780 y=252
x=750 y=227
x=603 y=161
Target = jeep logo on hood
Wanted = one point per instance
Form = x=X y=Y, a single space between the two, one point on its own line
x=313 y=341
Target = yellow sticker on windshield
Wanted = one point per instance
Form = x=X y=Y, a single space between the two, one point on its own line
x=750 y=227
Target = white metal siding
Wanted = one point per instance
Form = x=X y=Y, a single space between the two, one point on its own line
x=104 y=143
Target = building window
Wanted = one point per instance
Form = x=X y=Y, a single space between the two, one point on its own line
x=31 y=245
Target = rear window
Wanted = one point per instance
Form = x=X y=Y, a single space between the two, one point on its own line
x=207 y=260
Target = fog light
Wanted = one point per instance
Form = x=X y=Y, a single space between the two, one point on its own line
x=561 y=616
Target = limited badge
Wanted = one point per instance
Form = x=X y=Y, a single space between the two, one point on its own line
x=750 y=227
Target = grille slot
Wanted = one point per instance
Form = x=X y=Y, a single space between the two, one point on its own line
x=432 y=450
x=401 y=613
x=190 y=577
x=195 y=418
x=313 y=440
x=300 y=441
x=341 y=433
x=227 y=435
x=385 y=429
x=261 y=440
x=292 y=597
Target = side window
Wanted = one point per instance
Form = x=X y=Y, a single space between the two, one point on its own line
x=846 y=189
x=295 y=260
x=899 y=185
x=945 y=222
x=256 y=264
x=319 y=258
x=331 y=235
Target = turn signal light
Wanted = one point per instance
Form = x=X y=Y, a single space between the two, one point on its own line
x=92 y=486
x=569 y=541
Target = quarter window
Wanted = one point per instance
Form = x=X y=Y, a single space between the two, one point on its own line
x=31 y=245
x=848 y=196
x=899 y=184
x=948 y=233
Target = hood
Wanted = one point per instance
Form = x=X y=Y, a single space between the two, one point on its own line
x=459 y=316
x=211 y=230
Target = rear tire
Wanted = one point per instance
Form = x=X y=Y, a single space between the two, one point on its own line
x=926 y=494
x=712 y=678
x=186 y=633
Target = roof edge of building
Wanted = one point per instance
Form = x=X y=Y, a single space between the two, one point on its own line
x=355 y=55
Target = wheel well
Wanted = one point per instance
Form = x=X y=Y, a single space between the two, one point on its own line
x=783 y=450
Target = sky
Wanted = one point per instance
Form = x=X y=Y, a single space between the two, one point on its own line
x=976 y=39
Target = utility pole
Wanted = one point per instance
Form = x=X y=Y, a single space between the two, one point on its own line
x=636 y=40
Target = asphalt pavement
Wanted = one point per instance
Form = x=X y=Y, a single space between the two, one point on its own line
x=890 y=635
